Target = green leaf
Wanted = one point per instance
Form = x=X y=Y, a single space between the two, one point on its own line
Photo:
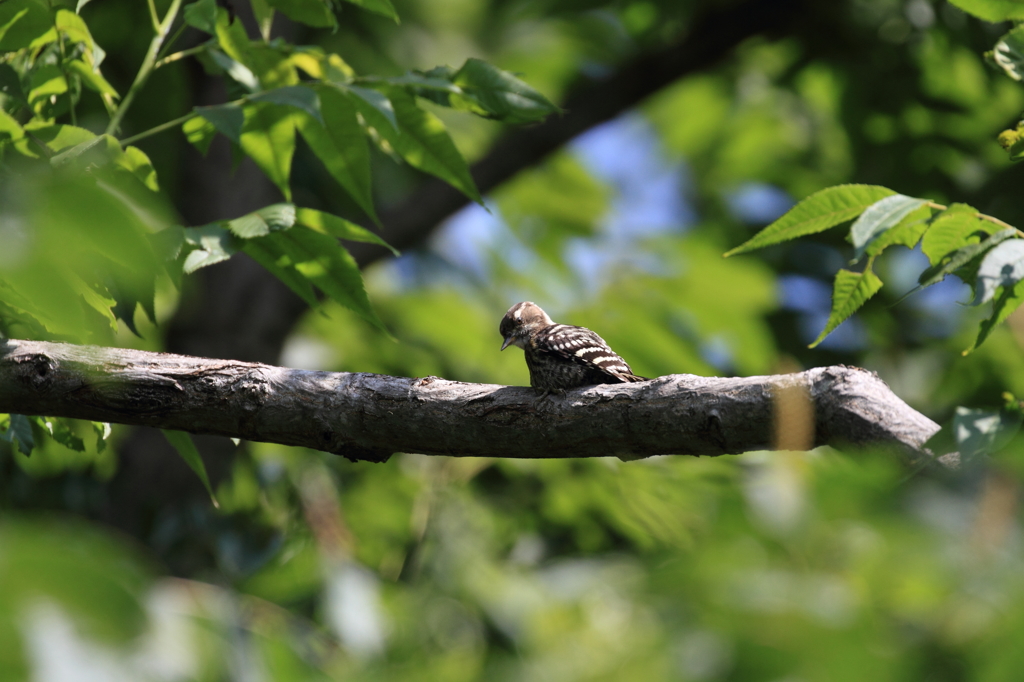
x=816 y=213
x=960 y=258
x=200 y=132
x=501 y=95
x=91 y=77
x=264 y=221
x=238 y=71
x=340 y=143
x=19 y=430
x=102 y=431
x=951 y=229
x=231 y=37
x=299 y=96
x=382 y=7
x=182 y=442
x=1003 y=266
x=425 y=144
x=10 y=84
x=1003 y=305
x=60 y=430
x=102 y=303
x=327 y=265
x=227 y=119
x=880 y=217
x=983 y=431
x=136 y=162
x=212 y=243
x=992 y=10
x=268 y=138
x=326 y=223
x=264 y=15
x=59 y=137
x=1008 y=53
x=45 y=84
x=373 y=105
x=1012 y=140
x=22 y=22
x=271 y=256
x=907 y=233
x=202 y=15
x=850 y=291
x=316 y=13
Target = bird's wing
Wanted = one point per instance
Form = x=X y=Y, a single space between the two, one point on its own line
x=584 y=347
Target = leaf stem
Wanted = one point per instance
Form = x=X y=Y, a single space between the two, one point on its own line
x=153 y=16
x=158 y=129
x=179 y=55
x=174 y=39
x=162 y=29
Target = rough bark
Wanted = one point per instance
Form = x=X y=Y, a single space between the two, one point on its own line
x=370 y=416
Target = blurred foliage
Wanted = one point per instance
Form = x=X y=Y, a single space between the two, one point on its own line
x=813 y=566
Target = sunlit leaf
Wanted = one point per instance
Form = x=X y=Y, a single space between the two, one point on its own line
x=325 y=264
x=238 y=71
x=299 y=96
x=880 y=217
x=983 y=431
x=1008 y=300
x=136 y=162
x=501 y=95
x=371 y=102
x=214 y=243
x=960 y=258
x=22 y=22
x=339 y=142
x=268 y=138
x=279 y=263
x=334 y=226
x=951 y=229
x=200 y=133
x=425 y=144
x=907 y=233
x=1008 y=54
x=228 y=119
x=90 y=77
x=1003 y=266
x=992 y=10
x=850 y=291
x=263 y=222
x=60 y=137
x=816 y=213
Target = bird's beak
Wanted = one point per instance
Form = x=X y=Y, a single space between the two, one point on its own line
x=508 y=341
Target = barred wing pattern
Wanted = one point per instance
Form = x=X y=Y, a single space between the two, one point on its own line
x=564 y=356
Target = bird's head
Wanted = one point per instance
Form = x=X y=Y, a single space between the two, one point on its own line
x=520 y=320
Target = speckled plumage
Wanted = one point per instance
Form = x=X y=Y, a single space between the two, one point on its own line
x=561 y=356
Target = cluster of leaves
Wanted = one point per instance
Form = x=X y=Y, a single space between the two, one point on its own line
x=983 y=251
x=281 y=89
x=86 y=228
x=794 y=565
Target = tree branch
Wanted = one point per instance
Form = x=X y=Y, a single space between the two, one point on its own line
x=369 y=416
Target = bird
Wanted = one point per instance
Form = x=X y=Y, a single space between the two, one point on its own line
x=561 y=356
